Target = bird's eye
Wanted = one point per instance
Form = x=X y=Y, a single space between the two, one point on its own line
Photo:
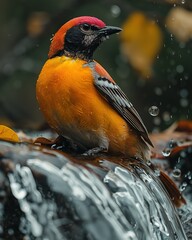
x=85 y=27
x=94 y=28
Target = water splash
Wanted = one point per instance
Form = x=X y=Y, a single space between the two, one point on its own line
x=128 y=191
x=60 y=197
x=79 y=191
x=23 y=188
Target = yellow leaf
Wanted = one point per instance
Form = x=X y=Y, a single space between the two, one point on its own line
x=8 y=134
x=179 y=22
x=141 y=41
x=36 y=23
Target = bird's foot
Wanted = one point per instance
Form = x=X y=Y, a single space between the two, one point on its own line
x=94 y=151
x=64 y=144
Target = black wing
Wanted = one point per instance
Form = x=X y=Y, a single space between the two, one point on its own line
x=117 y=98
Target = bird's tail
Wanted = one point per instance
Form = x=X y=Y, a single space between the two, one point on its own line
x=172 y=190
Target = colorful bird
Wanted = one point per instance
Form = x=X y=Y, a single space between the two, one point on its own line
x=81 y=101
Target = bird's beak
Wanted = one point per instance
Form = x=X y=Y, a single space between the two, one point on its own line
x=108 y=30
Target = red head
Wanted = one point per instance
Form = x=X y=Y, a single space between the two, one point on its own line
x=79 y=37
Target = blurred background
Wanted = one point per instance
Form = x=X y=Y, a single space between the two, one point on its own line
x=151 y=59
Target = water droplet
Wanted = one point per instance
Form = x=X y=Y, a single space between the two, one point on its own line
x=115 y=10
x=51 y=39
x=184 y=102
x=10 y=231
x=188 y=175
x=176 y=173
x=153 y=111
x=149 y=162
x=183 y=154
x=166 y=152
x=183 y=93
x=183 y=186
x=179 y=68
x=172 y=143
x=166 y=116
x=157 y=121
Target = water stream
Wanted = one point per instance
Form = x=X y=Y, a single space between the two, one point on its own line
x=55 y=196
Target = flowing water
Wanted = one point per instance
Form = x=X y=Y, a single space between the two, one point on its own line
x=51 y=196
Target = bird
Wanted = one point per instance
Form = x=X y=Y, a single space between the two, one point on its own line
x=81 y=101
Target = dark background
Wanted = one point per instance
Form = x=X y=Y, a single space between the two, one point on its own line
x=26 y=29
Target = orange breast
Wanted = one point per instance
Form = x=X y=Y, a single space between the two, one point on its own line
x=74 y=108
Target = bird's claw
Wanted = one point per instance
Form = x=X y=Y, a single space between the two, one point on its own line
x=93 y=151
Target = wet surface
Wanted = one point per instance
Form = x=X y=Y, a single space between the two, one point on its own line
x=46 y=194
